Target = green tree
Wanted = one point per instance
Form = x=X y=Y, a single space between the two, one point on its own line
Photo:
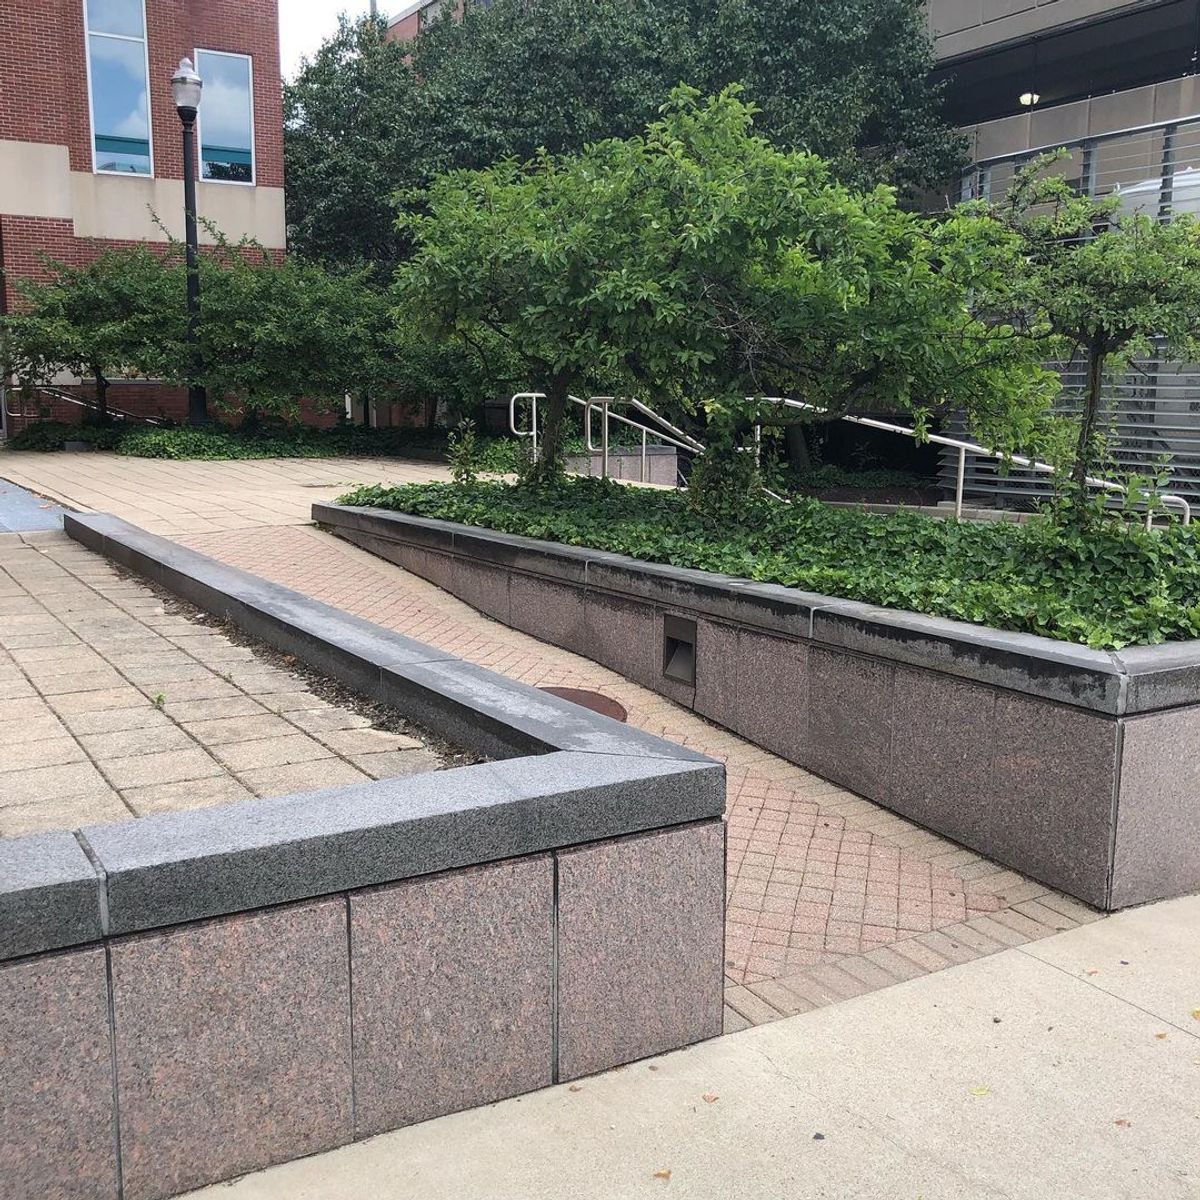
x=702 y=265
x=119 y=315
x=273 y=332
x=845 y=80
x=368 y=119
x=349 y=130
x=1097 y=285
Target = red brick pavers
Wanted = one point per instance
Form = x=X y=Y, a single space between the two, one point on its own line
x=829 y=894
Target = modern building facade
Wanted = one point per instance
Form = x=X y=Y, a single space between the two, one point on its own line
x=1115 y=83
x=90 y=142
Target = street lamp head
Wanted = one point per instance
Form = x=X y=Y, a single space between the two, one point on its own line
x=185 y=87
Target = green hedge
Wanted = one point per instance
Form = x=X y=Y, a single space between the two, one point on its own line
x=1107 y=586
x=216 y=442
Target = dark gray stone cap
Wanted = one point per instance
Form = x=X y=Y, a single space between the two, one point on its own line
x=1137 y=680
x=174 y=867
x=49 y=894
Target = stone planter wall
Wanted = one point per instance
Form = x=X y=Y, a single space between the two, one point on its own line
x=662 y=464
x=1080 y=768
x=190 y=996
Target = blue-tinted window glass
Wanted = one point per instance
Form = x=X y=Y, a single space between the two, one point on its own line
x=120 y=104
x=122 y=17
x=226 y=118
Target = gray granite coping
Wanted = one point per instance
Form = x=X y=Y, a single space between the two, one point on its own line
x=49 y=894
x=1136 y=680
x=185 y=866
x=567 y=776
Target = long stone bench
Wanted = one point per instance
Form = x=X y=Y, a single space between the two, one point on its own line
x=1078 y=767
x=190 y=996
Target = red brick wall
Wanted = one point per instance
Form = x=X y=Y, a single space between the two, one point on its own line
x=43 y=74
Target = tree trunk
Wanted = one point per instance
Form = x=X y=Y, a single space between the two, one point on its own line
x=797 y=447
x=101 y=397
x=550 y=444
x=1085 y=449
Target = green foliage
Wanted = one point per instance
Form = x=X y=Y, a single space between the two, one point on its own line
x=830 y=475
x=367 y=119
x=50 y=435
x=463 y=454
x=1107 y=587
x=272 y=331
x=116 y=316
x=269 y=333
x=215 y=442
x=1098 y=284
x=349 y=129
x=699 y=264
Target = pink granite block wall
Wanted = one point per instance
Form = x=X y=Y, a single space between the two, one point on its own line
x=57 y=1134
x=452 y=991
x=232 y=1045
x=640 y=946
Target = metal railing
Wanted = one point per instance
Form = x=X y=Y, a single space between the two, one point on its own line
x=962 y=449
x=684 y=441
x=666 y=434
x=1154 y=167
x=1154 y=410
x=24 y=403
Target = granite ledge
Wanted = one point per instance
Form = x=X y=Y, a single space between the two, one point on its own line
x=185 y=866
x=1137 y=680
x=49 y=894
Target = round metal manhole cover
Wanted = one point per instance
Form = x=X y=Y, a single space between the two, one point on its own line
x=593 y=700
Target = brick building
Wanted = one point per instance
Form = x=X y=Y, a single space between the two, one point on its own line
x=411 y=18
x=90 y=143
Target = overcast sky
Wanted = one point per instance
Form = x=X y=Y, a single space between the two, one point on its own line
x=305 y=24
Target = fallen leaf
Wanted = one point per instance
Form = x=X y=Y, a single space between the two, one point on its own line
x=574 y=1088
x=1122 y=1122
x=651 y=1067
x=818 y=1137
x=664 y=1175
x=1092 y=972
x=981 y=1091
x=1196 y=1014
x=709 y=1097
x=1162 y=1037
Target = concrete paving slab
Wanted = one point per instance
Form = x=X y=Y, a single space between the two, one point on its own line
x=21 y=511
x=1005 y=1077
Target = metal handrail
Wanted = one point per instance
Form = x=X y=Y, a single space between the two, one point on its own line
x=65 y=397
x=1080 y=143
x=964 y=448
x=602 y=403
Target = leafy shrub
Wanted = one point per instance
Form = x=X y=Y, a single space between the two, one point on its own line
x=216 y=442
x=1108 y=586
x=50 y=435
x=830 y=475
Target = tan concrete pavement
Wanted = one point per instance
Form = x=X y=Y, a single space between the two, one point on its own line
x=1069 y=1070
x=193 y=497
x=115 y=704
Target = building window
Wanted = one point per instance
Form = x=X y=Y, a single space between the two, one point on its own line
x=118 y=71
x=226 y=120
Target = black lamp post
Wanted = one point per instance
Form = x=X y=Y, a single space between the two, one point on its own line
x=185 y=87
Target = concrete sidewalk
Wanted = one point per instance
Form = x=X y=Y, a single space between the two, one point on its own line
x=1069 y=1068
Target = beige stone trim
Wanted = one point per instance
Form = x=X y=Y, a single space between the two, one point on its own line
x=34 y=180
x=117 y=206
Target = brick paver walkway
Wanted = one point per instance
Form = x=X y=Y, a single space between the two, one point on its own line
x=114 y=705
x=829 y=894
x=193 y=497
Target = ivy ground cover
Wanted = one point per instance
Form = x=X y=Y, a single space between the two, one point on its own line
x=1107 y=585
